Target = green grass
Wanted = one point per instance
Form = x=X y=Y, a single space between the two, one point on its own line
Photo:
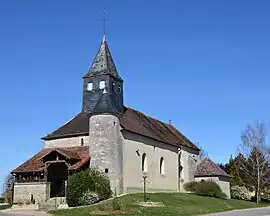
x=176 y=204
x=4 y=207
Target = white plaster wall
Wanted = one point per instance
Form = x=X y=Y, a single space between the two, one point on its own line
x=189 y=161
x=23 y=191
x=154 y=151
x=223 y=183
x=225 y=186
x=67 y=142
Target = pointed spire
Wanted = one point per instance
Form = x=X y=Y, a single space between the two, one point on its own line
x=103 y=63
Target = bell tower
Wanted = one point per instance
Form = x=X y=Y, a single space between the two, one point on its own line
x=102 y=77
x=103 y=102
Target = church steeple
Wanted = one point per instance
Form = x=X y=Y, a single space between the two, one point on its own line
x=103 y=62
x=102 y=78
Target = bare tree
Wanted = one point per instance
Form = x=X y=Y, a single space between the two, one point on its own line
x=203 y=153
x=257 y=155
x=8 y=187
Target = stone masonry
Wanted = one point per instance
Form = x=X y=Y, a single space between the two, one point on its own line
x=106 y=148
x=40 y=192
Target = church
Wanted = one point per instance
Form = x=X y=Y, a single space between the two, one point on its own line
x=122 y=142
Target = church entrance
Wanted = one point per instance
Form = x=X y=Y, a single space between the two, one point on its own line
x=57 y=175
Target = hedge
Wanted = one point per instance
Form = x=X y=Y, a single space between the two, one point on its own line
x=191 y=186
x=209 y=188
x=205 y=188
x=2 y=199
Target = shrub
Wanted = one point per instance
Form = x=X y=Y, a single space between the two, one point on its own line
x=2 y=199
x=209 y=188
x=240 y=193
x=264 y=199
x=101 y=184
x=89 y=180
x=89 y=197
x=191 y=186
x=115 y=204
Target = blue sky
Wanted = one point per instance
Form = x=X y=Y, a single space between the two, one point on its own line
x=202 y=64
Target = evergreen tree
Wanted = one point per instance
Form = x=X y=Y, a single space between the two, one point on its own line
x=237 y=176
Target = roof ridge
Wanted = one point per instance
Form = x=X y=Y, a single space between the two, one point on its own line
x=147 y=115
x=184 y=139
x=207 y=167
x=213 y=163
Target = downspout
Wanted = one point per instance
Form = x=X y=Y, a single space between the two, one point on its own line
x=179 y=168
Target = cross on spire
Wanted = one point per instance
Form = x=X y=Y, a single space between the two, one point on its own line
x=104 y=24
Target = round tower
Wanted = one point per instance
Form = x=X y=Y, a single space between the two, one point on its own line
x=106 y=148
x=103 y=102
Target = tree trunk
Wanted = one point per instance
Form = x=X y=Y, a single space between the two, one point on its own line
x=258 y=183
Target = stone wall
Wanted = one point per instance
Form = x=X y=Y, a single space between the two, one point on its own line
x=223 y=182
x=135 y=146
x=67 y=142
x=39 y=190
x=106 y=148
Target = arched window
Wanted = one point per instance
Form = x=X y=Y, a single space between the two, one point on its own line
x=89 y=86
x=102 y=84
x=144 y=163
x=161 y=166
x=119 y=88
x=82 y=141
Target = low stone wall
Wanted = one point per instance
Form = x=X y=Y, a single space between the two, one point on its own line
x=23 y=191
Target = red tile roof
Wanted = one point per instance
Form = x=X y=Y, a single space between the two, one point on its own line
x=36 y=164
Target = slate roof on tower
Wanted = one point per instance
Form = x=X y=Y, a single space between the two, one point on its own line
x=105 y=105
x=131 y=120
x=103 y=63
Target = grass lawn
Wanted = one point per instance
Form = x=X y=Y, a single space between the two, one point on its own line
x=176 y=204
x=2 y=207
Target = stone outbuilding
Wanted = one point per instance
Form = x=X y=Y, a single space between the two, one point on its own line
x=208 y=170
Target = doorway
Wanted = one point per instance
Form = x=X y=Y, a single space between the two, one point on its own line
x=57 y=175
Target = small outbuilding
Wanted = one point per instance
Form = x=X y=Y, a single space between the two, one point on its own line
x=208 y=170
